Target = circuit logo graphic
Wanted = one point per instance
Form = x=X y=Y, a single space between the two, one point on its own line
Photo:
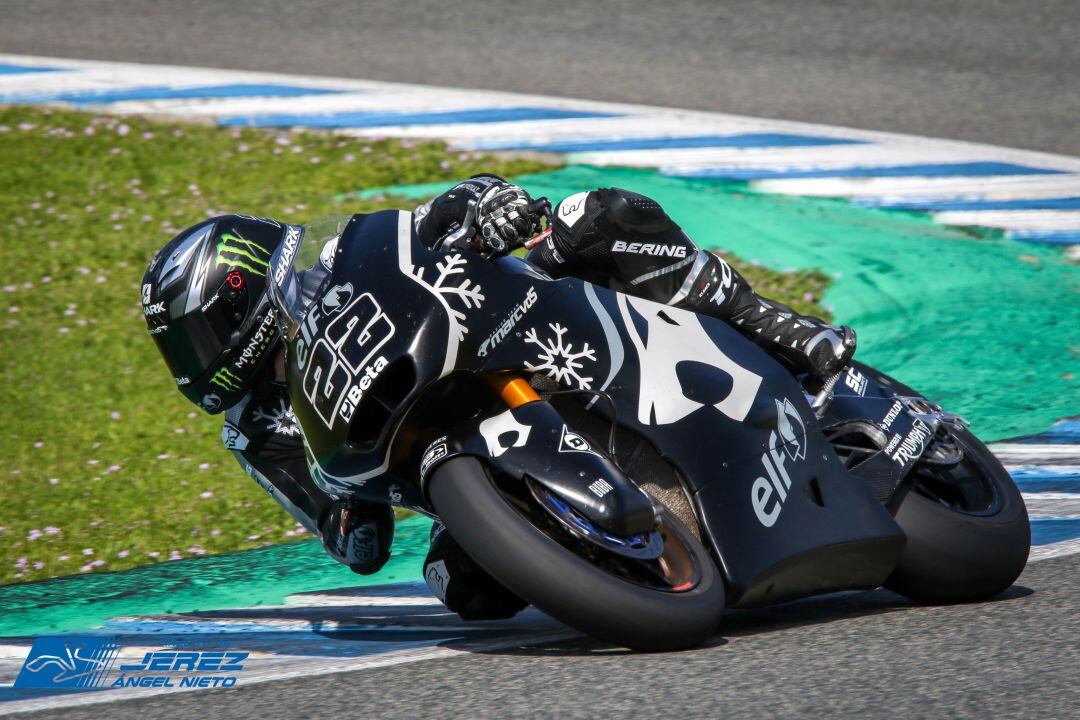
x=67 y=663
x=237 y=251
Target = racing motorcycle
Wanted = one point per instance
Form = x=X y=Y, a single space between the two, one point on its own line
x=630 y=468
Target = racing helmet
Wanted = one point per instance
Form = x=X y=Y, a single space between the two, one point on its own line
x=205 y=300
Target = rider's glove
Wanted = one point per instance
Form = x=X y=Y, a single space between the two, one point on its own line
x=358 y=534
x=830 y=350
x=504 y=217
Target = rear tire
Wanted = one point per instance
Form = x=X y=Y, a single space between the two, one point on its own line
x=565 y=585
x=954 y=556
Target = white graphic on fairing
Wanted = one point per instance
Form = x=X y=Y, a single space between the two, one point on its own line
x=282 y=420
x=791 y=428
x=495 y=429
x=558 y=359
x=470 y=297
x=679 y=337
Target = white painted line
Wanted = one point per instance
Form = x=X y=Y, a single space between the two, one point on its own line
x=1019 y=453
x=1048 y=469
x=158 y=74
x=1054 y=550
x=1000 y=187
x=1052 y=505
x=1013 y=219
x=681 y=161
x=332 y=600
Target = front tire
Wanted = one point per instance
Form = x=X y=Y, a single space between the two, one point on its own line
x=566 y=585
x=965 y=543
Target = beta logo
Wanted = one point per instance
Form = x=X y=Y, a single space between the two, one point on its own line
x=356 y=392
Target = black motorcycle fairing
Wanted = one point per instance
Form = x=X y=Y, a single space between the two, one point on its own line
x=534 y=442
x=390 y=320
x=394 y=320
x=767 y=484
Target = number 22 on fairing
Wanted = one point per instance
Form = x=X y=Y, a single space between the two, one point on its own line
x=341 y=358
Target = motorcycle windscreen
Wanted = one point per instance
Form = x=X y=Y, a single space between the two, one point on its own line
x=299 y=264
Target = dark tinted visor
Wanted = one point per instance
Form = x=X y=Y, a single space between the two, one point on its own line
x=197 y=340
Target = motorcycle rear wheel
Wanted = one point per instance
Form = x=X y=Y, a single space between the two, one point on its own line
x=510 y=544
x=967 y=528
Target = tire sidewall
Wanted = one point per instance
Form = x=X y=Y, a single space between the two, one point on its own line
x=955 y=557
x=562 y=584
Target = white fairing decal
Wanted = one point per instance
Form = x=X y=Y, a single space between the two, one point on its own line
x=661 y=399
x=495 y=428
x=572 y=208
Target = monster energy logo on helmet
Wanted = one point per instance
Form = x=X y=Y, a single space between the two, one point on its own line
x=227 y=380
x=236 y=251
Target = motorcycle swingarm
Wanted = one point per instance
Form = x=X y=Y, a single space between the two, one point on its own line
x=532 y=443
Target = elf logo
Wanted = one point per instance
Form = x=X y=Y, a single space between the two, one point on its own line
x=787 y=445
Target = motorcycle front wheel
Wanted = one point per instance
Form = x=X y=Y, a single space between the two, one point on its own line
x=671 y=602
x=968 y=535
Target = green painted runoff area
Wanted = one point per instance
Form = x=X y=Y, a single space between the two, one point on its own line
x=986 y=326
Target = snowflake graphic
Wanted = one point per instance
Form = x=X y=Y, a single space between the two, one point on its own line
x=282 y=420
x=470 y=297
x=558 y=358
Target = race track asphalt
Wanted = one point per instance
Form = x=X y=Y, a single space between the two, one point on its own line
x=995 y=71
x=858 y=655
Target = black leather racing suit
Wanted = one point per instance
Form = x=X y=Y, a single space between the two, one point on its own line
x=627 y=242
x=264 y=436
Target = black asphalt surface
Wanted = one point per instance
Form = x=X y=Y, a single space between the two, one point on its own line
x=1004 y=72
x=868 y=655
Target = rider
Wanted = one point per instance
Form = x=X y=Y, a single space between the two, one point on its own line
x=206 y=304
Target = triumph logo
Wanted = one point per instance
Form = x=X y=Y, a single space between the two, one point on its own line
x=913 y=446
x=236 y=251
x=787 y=445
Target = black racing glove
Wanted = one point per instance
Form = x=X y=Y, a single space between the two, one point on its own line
x=358 y=534
x=830 y=350
x=505 y=217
